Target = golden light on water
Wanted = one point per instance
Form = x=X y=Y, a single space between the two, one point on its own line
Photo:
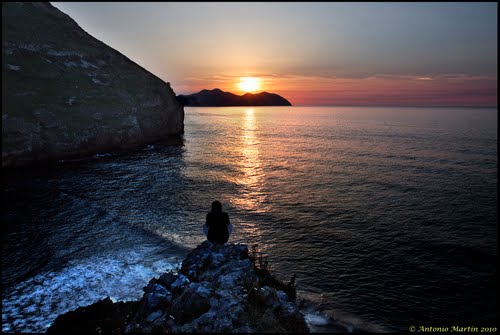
x=249 y=84
x=242 y=150
x=251 y=175
x=250 y=151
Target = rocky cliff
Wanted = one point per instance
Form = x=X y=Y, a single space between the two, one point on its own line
x=218 y=289
x=65 y=93
x=219 y=98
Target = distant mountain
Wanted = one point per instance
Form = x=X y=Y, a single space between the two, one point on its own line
x=218 y=98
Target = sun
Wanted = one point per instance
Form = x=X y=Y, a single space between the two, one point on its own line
x=249 y=84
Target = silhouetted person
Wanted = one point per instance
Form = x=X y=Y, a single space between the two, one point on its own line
x=218 y=224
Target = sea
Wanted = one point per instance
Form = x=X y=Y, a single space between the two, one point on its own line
x=387 y=216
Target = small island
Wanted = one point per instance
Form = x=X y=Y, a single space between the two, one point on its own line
x=219 y=98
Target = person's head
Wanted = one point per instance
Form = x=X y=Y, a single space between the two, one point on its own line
x=216 y=206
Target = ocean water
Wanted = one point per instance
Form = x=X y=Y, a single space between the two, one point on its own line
x=387 y=216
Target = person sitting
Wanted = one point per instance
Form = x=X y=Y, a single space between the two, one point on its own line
x=217 y=226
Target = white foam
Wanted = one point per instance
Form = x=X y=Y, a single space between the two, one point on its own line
x=316 y=319
x=34 y=304
x=102 y=155
x=13 y=67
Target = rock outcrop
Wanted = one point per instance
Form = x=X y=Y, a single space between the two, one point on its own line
x=65 y=93
x=219 y=98
x=218 y=289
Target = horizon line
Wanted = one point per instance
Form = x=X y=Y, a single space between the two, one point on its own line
x=411 y=106
x=340 y=105
x=368 y=106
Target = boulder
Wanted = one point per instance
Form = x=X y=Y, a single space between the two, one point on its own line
x=191 y=303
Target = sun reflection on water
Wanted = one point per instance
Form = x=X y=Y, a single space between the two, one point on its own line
x=250 y=177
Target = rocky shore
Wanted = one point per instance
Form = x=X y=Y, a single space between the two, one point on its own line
x=218 y=289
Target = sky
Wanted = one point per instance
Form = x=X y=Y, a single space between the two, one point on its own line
x=311 y=53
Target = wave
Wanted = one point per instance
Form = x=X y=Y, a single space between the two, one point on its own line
x=32 y=305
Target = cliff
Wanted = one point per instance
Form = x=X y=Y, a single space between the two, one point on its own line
x=65 y=93
x=217 y=289
x=219 y=98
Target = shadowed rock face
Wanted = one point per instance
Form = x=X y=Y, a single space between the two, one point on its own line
x=65 y=93
x=219 y=289
x=219 y=98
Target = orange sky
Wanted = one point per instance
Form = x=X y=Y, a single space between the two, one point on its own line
x=413 y=90
x=321 y=53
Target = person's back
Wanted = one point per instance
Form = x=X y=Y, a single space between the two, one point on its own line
x=217 y=222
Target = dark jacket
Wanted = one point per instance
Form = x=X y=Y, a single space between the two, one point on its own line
x=217 y=223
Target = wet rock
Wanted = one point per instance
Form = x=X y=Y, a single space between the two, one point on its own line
x=167 y=279
x=191 y=303
x=155 y=297
x=180 y=282
x=154 y=316
x=103 y=316
x=217 y=290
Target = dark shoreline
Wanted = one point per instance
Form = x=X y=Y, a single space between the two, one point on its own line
x=217 y=289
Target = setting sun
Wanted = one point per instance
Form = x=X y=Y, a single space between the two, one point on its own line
x=249 y=84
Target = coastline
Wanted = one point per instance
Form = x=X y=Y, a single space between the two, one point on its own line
x=217 y=289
